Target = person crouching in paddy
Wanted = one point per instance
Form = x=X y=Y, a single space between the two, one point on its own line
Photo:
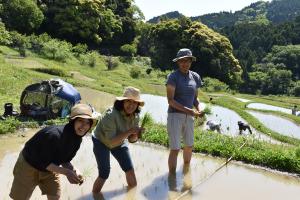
x=48 y=153
x=114 y=127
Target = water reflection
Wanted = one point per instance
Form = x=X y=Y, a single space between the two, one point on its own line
x=150 y=164
x=278 y=124
x=157 y=106
x=242 y=100
x=263 y=106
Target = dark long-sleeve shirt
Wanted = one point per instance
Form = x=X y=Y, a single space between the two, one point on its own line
x=53 y=144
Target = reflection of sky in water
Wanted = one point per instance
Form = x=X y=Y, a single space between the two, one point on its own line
x=157 y=106
x=234 y=181
x=278 y=124
x=263 y=106
x=242 y=100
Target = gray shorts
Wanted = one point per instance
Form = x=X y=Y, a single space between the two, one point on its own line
x=178 y=125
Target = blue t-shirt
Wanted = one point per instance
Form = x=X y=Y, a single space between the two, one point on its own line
x=186 y=86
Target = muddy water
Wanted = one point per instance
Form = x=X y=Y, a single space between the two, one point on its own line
x=99 y=100
x=242 y=100
x=157 y=106
x=278 y=124
x=236 y=181
x=263 y=106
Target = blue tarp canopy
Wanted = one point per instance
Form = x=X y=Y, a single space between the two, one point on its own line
x=68 y=92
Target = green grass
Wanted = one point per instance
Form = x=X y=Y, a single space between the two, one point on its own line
x=239 y=108
x=16 y=73
x=280 y=101
x=15 y=77
x=279 y=157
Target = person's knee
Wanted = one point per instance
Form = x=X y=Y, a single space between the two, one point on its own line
x=174 y=151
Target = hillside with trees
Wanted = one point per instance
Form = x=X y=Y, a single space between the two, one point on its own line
x=248 y=50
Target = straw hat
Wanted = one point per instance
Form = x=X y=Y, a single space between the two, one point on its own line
x=184 y=53
x=83 y=111
x=132 y=94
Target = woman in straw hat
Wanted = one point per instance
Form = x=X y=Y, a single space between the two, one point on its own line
x=115 y=126
x=48 y=153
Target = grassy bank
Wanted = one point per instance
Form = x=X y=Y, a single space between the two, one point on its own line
x=281 y=101
x=18 y=72
x=282 y=158
x=239 y=108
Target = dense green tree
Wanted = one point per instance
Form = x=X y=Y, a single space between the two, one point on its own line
x=288 y=55
x=269 y=78
x=214 y=51
x=23 y=16
x=74 y=20
x=4 y=35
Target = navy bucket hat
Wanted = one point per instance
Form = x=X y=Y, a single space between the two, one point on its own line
x=184 y=53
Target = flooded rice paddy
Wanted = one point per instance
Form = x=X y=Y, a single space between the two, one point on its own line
x=242 y=100
x=278 y=124
x=263 y=106
x=157 y=106
x=234 y=181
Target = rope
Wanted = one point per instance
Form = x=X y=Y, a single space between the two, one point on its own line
x=209 y=176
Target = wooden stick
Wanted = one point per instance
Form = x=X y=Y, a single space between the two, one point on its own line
x=208 y=177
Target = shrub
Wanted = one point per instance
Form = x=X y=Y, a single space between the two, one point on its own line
x=57 y=50
x=92 y=58
x=129 y=49
x=111 y=62
x=53 y=71
x=214 y=85
x=295 y=90
x=135 y=72
x=79 y=49
x=37 y=42
x=20 y=41
x=4 y=35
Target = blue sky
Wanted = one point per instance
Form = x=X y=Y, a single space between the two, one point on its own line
x=153 y=8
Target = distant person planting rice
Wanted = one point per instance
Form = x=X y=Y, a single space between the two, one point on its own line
x=48 y=153
x=213 y=126
x=243 y=127
x=294 y=110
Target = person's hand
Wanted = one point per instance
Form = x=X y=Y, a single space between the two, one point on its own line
x=72 y=176
x=194 y=113
x=81 y=179
x=201 y=114
x=79 y=175
x=140 y=132
x=134 y=131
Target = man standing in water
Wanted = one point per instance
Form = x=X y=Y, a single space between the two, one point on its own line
x=182 y=91
x=294 y=110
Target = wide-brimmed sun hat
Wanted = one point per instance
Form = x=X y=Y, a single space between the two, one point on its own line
x=131 y=93
x=83 y=111
x=184 y=53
